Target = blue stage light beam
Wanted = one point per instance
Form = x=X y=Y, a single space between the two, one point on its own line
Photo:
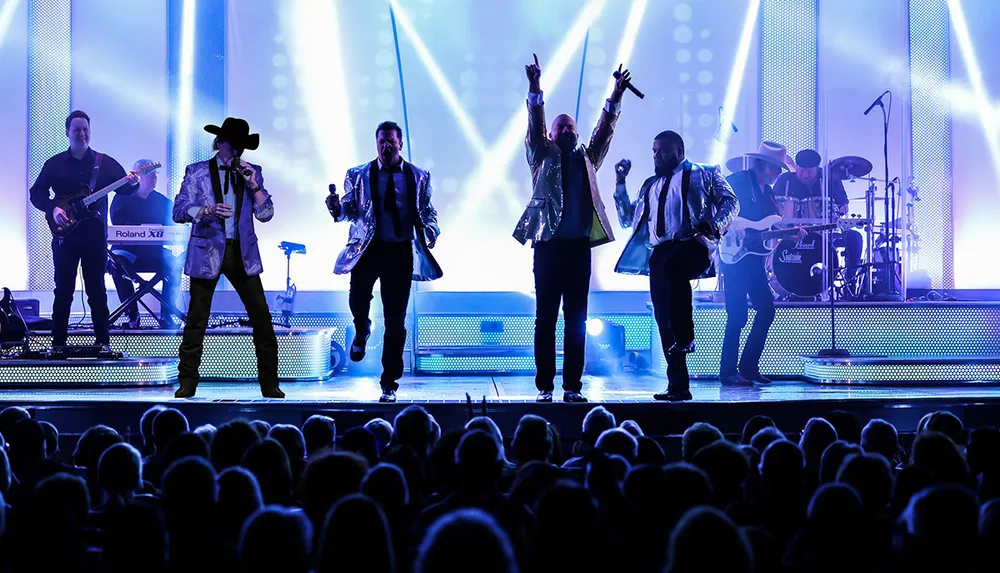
x=735 y=84
x=627 y=44
x=7 y=12
x=185 y=82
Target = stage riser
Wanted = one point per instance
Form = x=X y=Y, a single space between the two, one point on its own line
x=88 y=373
x=902 y=371
x=228 y=354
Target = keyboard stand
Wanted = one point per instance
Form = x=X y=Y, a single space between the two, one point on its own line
x=144 y=287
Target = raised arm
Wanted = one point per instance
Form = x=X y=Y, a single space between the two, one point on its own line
x=600 y=140
x=535 y=141
x=626 y=208
x=263 y=206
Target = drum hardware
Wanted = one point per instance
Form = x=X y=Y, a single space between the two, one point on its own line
x=849 y=167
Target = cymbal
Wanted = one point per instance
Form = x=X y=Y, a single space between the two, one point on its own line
x=849 y=167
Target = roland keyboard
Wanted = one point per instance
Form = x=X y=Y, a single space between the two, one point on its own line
x=148 y=234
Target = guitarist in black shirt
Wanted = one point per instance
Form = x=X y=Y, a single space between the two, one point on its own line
x=62 y=176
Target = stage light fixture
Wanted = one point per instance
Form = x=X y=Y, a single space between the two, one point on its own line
x=605 y=349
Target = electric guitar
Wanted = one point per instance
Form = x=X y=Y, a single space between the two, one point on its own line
x=78 y=206
x=753 y=240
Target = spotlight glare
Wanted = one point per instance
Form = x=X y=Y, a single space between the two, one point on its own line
x=595 y=326
x=736 y=81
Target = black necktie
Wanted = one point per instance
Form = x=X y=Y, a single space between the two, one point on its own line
x=661 y=225
x=225 y=183
x=390 y=199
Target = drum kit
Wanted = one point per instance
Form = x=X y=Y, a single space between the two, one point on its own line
x=798 y=270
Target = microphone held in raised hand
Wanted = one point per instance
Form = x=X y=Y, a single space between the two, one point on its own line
x=630 y=87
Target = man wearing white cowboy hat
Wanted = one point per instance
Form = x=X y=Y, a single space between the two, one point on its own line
x=752 y=178
x=221 y=197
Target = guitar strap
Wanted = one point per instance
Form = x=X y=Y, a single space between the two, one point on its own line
x=97 y=169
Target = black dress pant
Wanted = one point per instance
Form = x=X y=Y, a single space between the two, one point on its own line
x=671 y=266
x=746 y=278
x=85 y=247
x=562 y=272
x=392 y=264
x=251 y=292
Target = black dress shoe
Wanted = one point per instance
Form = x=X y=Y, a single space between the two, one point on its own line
x=686 y=349
x=668 y=396
x=735 y=380
x=388 y=397
x=758 y=378
x=573 y=397
x=544 y=396
x=184 y=391
x=359 y=343
x=272 y=392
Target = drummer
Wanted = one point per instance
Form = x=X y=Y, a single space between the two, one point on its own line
x=800 y=195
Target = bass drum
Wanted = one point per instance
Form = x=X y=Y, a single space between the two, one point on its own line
x=794 y=269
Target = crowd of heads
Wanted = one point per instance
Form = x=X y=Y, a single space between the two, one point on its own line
x=838 y=494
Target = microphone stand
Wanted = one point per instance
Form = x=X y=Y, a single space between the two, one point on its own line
x=833 y=351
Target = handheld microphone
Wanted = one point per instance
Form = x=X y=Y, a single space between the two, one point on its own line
x=629 y=85
x=876 y=102
x=333 y=189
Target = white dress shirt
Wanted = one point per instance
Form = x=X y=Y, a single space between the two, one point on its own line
x=674 y=215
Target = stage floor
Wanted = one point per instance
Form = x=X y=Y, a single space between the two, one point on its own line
x=352 y=401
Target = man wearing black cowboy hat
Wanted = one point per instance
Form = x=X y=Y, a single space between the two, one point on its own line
x=221 y=197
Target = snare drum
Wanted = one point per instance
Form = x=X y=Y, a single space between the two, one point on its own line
x=794 y=269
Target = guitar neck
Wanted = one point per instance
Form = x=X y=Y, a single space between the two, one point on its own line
x=768 y=235
x=98 y=195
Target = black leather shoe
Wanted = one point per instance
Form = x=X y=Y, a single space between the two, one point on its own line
x=544 y=396
x=758 y=378
x=359 y=344
x=735 y=380
x=686 y=349
x=185 y=392
x=388 y=397
x=573 y=397
x=668 y=396
x=272 y=392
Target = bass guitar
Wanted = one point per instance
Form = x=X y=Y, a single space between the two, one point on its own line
x=79 y=205
x=752 y=237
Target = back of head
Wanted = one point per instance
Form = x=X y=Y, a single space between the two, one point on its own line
x=880 y=437
x=206 y=432
x=754 y=425
x=189 y=492
x=167 y=425
x=261 y=427
x=941 y=528
x=781 y=467
x=185 y=445
x=442 y=465
x=10 y=416
x=319 y=433
x=948 y=424
x=51 y=439
x=727 y=468
x=649 y=451
x=632 y=427
x=847 y=425
x=361 y=441
x=617 y=441
x=983 y=450
x=276 y=539
x=239 y=497
x=532 y=440
x=412 y=427
x=136 y=540
x=833 y=457
x=764 y=437
x=382 y=430
x=119 y=471
x=989 y=525
x=478 y=459
x=62 y=500
x=92 y=444
x=909 y=481
x=691 y=480
x=871 y=477
x=816 y=436
x=386 y=484
x=6 y=477
x=486 y=424
x=329 y=478
x=356 y=537
x=532 y=480
x=268 y=462
x=835 y=512
x=231 y=442
x=27 y=441
x=565 y=513
x=291 y=439
x=706 y=539
x=938 y=453
x=146 y=428
x=597 y=420
x=696 y=437
x=466 y=536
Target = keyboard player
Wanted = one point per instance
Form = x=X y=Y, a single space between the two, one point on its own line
x=145 y=207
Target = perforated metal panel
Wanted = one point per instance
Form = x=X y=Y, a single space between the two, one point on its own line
x=893 y=330
x=227 y=355
x=154 y=372
x=930 y=138
x=50 y=48
x=901 y=373
x=440 y=364
x=515 y=330
x=788 y=62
